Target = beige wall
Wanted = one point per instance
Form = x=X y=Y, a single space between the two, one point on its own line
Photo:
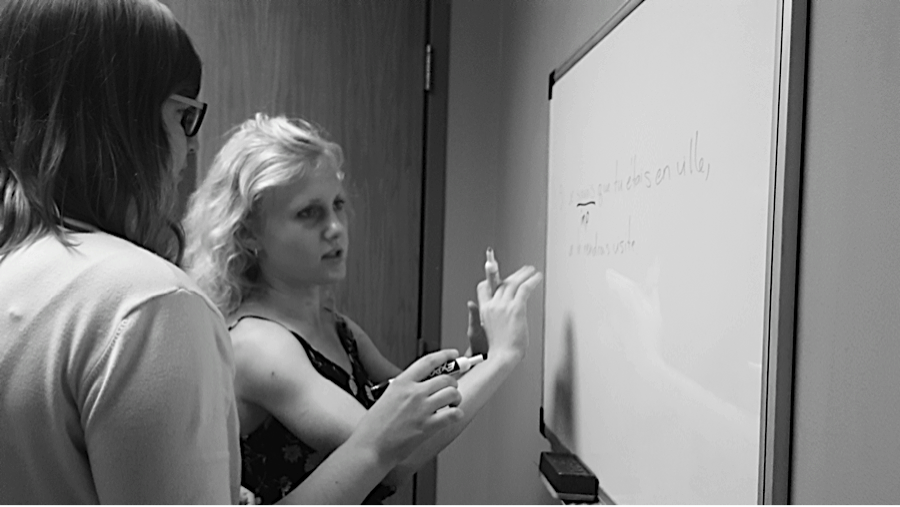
x=846 y=441
x=502 y=52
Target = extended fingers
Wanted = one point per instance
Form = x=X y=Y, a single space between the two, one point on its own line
x=491 y=270
x=510 y=286
x=474 y=317
x=483 y=290
x=527 y=286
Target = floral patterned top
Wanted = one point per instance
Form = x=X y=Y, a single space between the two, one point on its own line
x=273 y=460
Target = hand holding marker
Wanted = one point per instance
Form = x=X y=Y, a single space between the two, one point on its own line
x=460 y=364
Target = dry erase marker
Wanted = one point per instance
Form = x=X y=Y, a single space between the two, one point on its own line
x=458 y=365
x=491 y=269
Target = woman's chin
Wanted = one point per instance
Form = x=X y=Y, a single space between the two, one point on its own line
x=337 y=274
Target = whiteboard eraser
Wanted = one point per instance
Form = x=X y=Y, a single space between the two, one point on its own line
x=568 y=475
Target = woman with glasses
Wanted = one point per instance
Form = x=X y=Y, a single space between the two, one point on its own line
x=192 y=114
x=116 y=371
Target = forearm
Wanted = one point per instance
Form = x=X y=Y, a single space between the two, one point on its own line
x=476 y=387
x=346 y=477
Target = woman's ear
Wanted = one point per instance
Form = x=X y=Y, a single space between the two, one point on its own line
x=248 y=239
x=252 y=244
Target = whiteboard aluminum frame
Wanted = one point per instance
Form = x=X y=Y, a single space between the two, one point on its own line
x=624 y=10
x=785 y=183
x=784 y=224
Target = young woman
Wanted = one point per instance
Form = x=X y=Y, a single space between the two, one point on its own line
x=267 y=235
x=116 y=371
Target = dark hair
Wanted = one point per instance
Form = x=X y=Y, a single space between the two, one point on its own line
x=82 y=84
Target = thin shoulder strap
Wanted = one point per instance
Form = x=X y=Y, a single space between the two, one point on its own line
x=242 y=317
x=302 y=340
x=338 y=318
x=345 y=334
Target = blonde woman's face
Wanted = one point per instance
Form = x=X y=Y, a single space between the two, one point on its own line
x=302 y=236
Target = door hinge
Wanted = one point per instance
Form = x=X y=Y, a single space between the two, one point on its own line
x=428 y=59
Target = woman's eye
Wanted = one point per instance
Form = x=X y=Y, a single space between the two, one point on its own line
x=339 y=204
x=308 y=213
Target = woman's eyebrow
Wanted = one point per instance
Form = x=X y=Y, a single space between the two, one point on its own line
x=303 y=203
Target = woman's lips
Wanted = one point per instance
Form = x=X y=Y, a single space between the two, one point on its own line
x=334 y=254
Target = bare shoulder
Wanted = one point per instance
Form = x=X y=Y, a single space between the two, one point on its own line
x=267 y=357
x=275 y=374
x=255 y=337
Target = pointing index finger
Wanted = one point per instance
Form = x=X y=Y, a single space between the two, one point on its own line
x=491 y=270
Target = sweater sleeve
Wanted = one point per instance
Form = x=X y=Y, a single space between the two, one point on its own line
x=159 y=418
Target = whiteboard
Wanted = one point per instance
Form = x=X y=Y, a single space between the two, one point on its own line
x=661 y=164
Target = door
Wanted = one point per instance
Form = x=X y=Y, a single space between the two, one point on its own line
x=357 y=69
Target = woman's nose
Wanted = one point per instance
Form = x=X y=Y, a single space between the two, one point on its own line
x=336 y=226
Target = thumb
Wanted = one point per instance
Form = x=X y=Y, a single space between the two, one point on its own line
x=474 y=317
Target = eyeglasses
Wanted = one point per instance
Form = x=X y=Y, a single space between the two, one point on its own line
x=193 y=116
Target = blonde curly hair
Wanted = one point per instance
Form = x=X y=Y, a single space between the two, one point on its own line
x=261 y=154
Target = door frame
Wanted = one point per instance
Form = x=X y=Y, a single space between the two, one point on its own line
x=434 y=164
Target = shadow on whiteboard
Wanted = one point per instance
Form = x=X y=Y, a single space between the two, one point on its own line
x=564 y=389
x=702 y=435
x=643 y=314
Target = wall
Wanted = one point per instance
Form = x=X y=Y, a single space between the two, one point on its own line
x=846 y=444
x=502 y=53
x=846 y=436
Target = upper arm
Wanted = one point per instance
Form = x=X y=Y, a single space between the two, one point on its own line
x=377 y=366
x=159 y=414
x=274 y=372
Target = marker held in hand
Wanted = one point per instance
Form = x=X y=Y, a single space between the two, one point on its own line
x=458 y=365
